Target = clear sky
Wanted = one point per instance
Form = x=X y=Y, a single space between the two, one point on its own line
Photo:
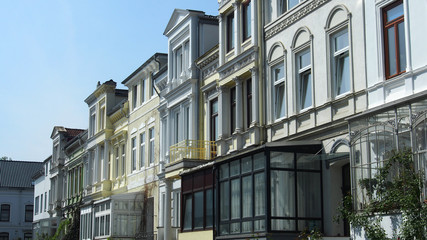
x=53 y=53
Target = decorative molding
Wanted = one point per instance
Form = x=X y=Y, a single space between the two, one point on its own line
x=301 y=13
x=210 y=70
x=238 y=63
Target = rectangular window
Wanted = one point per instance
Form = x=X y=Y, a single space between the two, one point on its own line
x=5 y=212
x=142 y=150
x=304 y=79
x=278 y=75
x=45 y=201
x=117 y=156
x=248 y=102
x=341 y=62
x=27 y=236
x=151 y=135
x=214 y=120
x=123 y=160
x=232 y=110
x=188 y=203
x=143 y=82
x=230 y=32
x=177 y=127
x=92 y=122
x=134 y=96
x=36 y=203
x=179 y=62
x=394 y=39
x=41 y=203
x=4 y=236
x=133 y=155
x=102 y=118
x=247 y=20
x=29 y=213
x=187 y=123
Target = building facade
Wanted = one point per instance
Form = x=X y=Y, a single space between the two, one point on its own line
x=17 y=198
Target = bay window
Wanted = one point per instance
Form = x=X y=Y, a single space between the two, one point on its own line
x=394 y=39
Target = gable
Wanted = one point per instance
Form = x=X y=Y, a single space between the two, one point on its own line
x=177 y=16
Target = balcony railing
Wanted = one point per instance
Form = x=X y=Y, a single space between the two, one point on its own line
x=193 y=149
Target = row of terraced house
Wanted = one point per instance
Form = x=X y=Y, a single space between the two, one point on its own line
x=253 y=125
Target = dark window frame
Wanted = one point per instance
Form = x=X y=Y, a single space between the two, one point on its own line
x=191 y=184
x=233 y=110
x=28 y=217
x=213 y=120
x=6 y=208
x=388 y=25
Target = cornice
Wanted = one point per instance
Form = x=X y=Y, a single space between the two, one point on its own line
x=296 y=16
x=238 y=63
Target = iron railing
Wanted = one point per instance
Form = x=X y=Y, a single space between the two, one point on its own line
x=193 y=149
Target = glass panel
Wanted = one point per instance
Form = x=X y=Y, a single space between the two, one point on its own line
x=107 y=225
x=209 y=208
x=402 y=49
x=307 y=161
x=304 y=60
x=343 y=74
x=341 y=40
x=278 y=72
x=225 y=200
x=246 y=164
x=292 y=3
x=391 y=51
x=280 y=100
x=234 y=168
x=309 y=194
x=395 y=12
x=224 y=229
x=235 y=228
x=259 y=225
x=198 y=210
x=283 y=225
x=235 y=199
x=260 y=207
x=247 y=21
x=247 y=196
x=246 y=227
x=282 y=193
x=223 y=171
x=259 y=161
x=187 y=211
x=309 y=225
x=281 y=160
x=305 y=89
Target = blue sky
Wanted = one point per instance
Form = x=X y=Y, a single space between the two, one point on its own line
x=53 y=52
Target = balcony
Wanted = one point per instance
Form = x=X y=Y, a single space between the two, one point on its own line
x=192 y=149
x=188 y=154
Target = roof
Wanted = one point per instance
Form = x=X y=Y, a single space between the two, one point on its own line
x=18 y=174
x=154 y=57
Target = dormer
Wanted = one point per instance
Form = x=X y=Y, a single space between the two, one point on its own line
x=190 y=34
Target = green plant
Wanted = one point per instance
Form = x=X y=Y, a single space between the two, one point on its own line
x=396 y=188
x=313 y=234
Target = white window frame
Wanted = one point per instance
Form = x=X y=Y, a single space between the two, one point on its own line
x=336 y=56
x=276 y=83
x=133 y=154
x=142 y=150
x=301 y=72
x=134 y=96
x=123 y=158
x=151 y=135
x=92 y=122
x=143 y=90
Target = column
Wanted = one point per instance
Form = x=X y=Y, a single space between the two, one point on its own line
x=407 y=38
x=254 y=22
x=239 y=104
x=237 y=35
x=167 y=210
x=255 y=97
x=221 y=40
x=222 y=128
x=106 y=160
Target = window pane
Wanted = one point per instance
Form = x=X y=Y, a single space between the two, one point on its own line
x=280 y=100
x=198 y=210
x=292 y=3
x=307 y=161
x=247 y=196
x=304 y=60
x=247 y=21
x=259 y=161
x=223 y=171
x=259 y=225
x=309 y=225
x=246 y=164
x=402 y=50
x=235 y=199
x=278 y=72
x=235 y=228
x=281 y=160
x=343 y=74
x=224 y=229
x=341 y=40
x=224 y=201
x=391 y=51
x=188 y=209
x=259 y=194
x=209 y=208
x=309 y=195
x=395 y=12
x=234 y=168
x=246 y=227
x=283 y=225
x=305 y=90
x=282 y=193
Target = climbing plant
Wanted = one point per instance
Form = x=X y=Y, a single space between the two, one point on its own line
x=396 y=188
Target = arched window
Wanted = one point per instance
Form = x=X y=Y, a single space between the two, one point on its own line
x=277 y=76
